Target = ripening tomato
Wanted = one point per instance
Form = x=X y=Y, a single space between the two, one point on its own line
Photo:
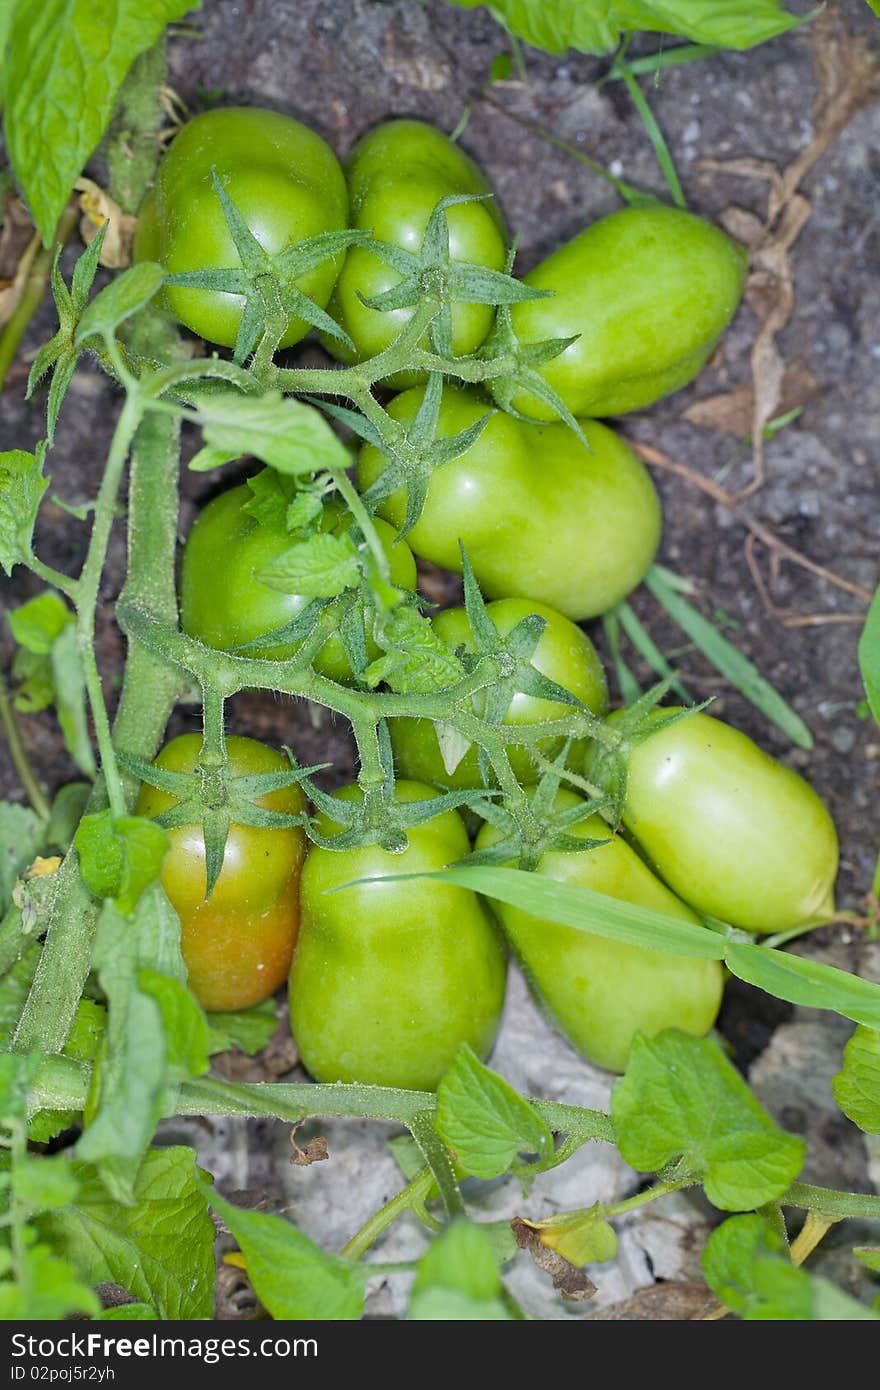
x=224 y=604
x=735 y=833
x=389 y=979
x=237 y=944
x=648 y=291
x=284 y=180
x=397 y=174
x=564 y=654
x=539 y=516
x=601 y=992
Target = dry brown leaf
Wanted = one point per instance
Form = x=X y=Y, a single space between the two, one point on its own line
x=315 y=1151
x=732 y=412
x=97 y=208
x=677 y=1301
x=19 y=244
x=571 y=1282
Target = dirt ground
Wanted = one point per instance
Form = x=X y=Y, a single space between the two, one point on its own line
x=341 y=66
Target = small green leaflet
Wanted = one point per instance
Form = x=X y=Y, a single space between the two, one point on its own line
x=50 y=1289
x=118 y=301
x=249 y=1030
x=120 y=858
x=857 y=1085
x=319 y=567
x=746 y=1265
x=161 y=1248
x=458 y=1279
x=869 y=656
x=285 y=433
x=21 y=487
x=681 y=1101
x=482 y=1119
x=293 y=1277
x=49 y=668
x=55 y=116
x=595 y=27
x=21 y=836
x=43 y=1185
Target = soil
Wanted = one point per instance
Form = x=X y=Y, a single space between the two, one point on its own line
x=343 y=66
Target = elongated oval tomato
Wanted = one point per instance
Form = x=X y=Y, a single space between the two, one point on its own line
x=237 y=945
x=389 y=979
x=648 y=291
x=734 y=832
x=397 y=174
x=539 y=516
x=284 y=180
x=222 y=599
x=564 y=654
x=600 y=992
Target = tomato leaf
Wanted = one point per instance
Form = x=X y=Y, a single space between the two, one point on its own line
x=745 y=1263
x=458 y=1279
x=160 y=1248
x=65 y=62
x=292 y=1276
x=857 y=1085
x=21 y=834
x=283 y=432
x=120 y=858
x=869 y=656
x=47 y=1289
x=320 y=567
x=681 y=1101
x=557 y=25
x=21 y=488
x=484 y=1121
x=249 y=1030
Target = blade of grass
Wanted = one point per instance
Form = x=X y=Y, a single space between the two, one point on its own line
x=655 y=135
x=630 y=690
x=647 y=647
x=664 y=58
x=738 y=669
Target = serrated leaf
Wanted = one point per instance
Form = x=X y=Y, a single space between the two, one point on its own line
x=415 y=659
x=50 y=1289
x=458 y=1278
x=160 y=1248
x=320 y=566
x=65 y=62
x=285 y=433
x=21 y=488
x=43 y=1184
x=857 y=1085
x=683 y=1102
x=292 y=1276
x=483 y=1120
x=119 y=300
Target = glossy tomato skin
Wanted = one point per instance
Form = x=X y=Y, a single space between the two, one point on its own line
x=224 y=604
x=564 y=654
x=389 y=979
x=540 y=516
x=649 y=291
x=600 y=992
x=238 y=945
x=735 y=833
x=396 y=176
x=285 y=181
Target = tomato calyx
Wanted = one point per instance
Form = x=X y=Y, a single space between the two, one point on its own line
x=624 y=730
x=433 y=272
x=413 y=452
x=268 y=284
x=61 y=354
x=380 y=819
x=210 y=798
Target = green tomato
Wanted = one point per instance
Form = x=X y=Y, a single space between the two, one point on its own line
x=389 y=979
x=564 y=654
x=224 y=604
x=238 y=943
x=600 y=992
x=285 y=181
x=539 y=516
x=649 y=291
x=733 y=832
x=397 y=174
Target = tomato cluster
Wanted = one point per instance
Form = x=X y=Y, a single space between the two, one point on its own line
x=389 y=978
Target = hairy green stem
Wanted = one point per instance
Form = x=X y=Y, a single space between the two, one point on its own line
x=410 y=1198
